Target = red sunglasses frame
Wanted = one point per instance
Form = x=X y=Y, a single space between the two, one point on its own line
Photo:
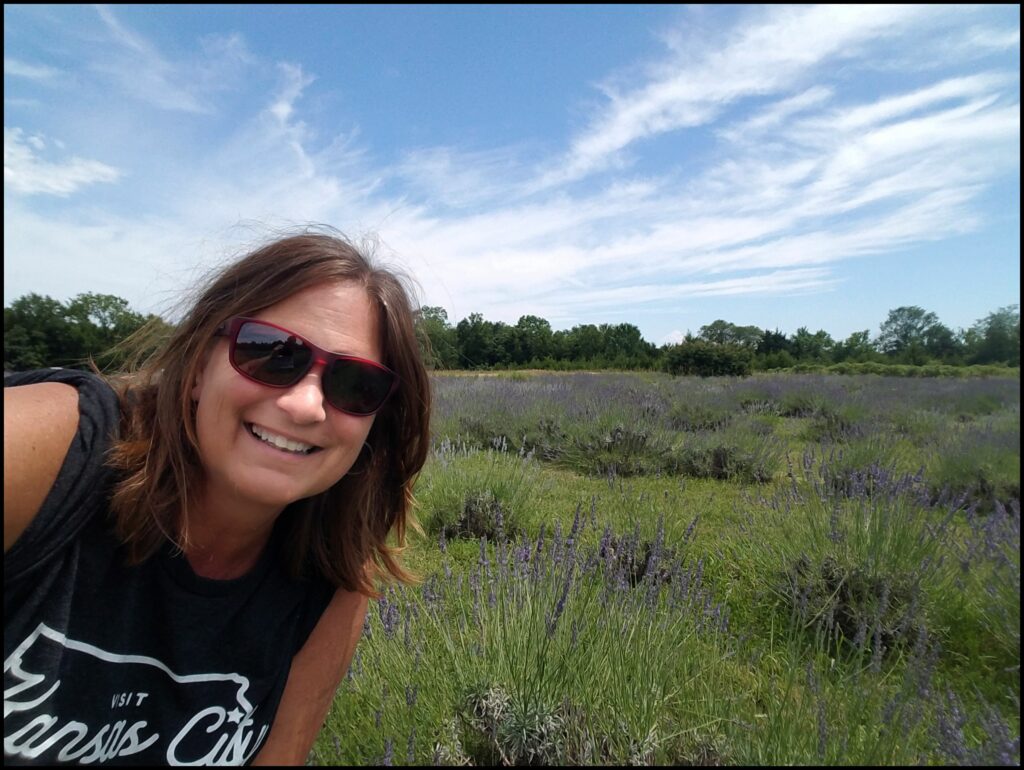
x=231 y=328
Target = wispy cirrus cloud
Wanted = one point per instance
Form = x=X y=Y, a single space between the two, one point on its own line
x=185 y=84
x=766 y=56
x=37 y=72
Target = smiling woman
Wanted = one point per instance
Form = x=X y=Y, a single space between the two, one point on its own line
x=191 y=545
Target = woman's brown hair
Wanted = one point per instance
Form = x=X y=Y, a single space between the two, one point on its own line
x=341 y=534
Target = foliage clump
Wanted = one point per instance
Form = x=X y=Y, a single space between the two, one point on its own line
x=507 y=730
x=619 y=451
x=482 y=517
x=469 y=494
x=851 y=606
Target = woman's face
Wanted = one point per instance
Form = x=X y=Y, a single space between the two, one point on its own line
x=242 y=468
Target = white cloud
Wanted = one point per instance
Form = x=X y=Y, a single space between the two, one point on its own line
x=25 y=173
x=776 y=113
x=986 y=39
x=187 y=84
x=37 y=72
x=764 y=57
x=295 y=82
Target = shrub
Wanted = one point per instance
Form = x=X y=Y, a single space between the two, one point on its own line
x=838 y=422
x=732 y=454
x=697 y=415
x=470 y=494
x=620 y=451
x=506 y=730
x=856 y=570
x=802 y=403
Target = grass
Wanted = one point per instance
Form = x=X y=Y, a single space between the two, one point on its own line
x=835 y=610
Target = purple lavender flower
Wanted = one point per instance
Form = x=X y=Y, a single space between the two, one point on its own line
x=560 y=606
x=410 y=751
x=485 y=565
x=822 y=728
x=576 y=526
x=388 y=615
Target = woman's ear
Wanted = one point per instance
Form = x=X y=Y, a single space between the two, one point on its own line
x=197 y=383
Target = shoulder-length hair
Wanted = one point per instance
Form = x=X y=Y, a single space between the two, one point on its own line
x=340 y=534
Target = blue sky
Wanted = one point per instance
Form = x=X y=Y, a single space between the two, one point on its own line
x=665 y=166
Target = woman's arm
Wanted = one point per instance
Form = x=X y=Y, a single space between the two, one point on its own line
x=39 y=423
x=316 y=672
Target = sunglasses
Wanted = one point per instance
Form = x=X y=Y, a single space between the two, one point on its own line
x=278 y=358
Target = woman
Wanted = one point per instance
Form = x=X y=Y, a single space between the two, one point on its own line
x=188 y=556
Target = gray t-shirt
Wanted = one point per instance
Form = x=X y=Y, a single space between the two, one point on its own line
x=143 y=665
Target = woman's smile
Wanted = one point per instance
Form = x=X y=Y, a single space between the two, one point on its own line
x=285 y=444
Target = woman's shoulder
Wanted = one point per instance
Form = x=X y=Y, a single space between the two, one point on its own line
x=98 y=404
x=44 y=412
x=79 y=379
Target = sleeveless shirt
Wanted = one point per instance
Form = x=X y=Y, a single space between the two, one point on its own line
x=145 y=665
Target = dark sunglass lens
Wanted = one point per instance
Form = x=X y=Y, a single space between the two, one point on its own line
x=270 y=355
x=356 y=387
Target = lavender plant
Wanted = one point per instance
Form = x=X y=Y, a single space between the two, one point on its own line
x=546 y=653
x=854 y=566
x=736 y=453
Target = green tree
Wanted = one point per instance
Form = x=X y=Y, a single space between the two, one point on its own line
x=725 y=333
x=941 y=342
x=812 y=347
x=475 y=340
x=772 y=342
x=856 y=348
x=40 y=331
x=504 y=344
x=904 y=333
x=37 y=334
x=624 y=346
x=106 y=312
x=584 y=343
x=99 y=322
x=443 y=340
x=995 y=338
x=535 y=338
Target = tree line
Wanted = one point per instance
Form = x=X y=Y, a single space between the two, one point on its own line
x=909 y=335
x=40 y=331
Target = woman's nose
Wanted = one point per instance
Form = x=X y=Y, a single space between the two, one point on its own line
x=304 y=401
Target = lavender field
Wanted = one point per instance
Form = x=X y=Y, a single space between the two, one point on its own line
x=639 y=569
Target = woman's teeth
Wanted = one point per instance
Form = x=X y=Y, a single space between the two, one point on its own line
x=280 y=441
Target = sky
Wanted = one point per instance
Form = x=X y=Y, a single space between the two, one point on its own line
x=664 y=166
